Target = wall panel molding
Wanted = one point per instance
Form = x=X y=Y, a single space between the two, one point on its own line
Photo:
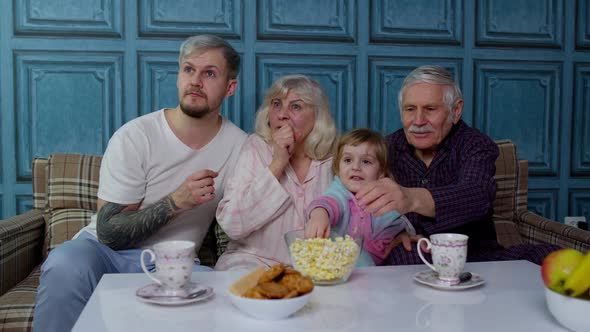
x=65 y=103
x=580 y=161
x=419 y=21
x=24 y=203
x=579 y=203
x=69 y=17
x=158 y=74
x=182 y=18
x=582 y=26
x=386 y=78
x=502 y=23
x=544 y=202
x=522 y=95
x=335 y=74
x=324 y=20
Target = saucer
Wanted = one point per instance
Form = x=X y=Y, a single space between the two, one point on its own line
x=430 y=278
x=156 y=294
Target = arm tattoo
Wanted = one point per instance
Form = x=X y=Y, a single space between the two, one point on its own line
x=123 y=230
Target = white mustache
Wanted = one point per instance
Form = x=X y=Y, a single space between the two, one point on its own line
x=421 y=130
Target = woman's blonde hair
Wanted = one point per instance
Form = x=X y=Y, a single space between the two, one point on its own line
x=359 y=136
x=322 y=138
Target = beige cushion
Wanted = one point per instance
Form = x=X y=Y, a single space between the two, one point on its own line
x=63 y=224
x=73 y=181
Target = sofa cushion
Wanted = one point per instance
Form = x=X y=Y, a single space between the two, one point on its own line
x=39 y=170
x=16 y=306
x=73 y=181
x=61 y=225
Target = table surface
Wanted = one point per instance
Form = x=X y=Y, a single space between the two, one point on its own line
x=375 y=298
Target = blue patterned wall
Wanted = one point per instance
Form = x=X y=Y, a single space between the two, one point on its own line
x=73 y=71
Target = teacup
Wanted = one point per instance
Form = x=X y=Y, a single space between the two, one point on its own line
x=174 y=264
x=449 y=252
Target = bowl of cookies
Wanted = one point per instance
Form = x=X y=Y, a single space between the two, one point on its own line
x=326 y=261
x=271 y=294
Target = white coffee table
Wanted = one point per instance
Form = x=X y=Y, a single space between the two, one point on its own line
x=374 y=299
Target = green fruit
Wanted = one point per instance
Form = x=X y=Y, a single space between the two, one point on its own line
x=558 y=266
x=579 y=281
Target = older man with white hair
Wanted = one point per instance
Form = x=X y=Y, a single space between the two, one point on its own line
x=444 y=173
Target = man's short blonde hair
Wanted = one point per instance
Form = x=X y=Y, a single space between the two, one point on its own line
x=322 y=138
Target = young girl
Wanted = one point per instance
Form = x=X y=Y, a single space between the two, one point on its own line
x=361 y=157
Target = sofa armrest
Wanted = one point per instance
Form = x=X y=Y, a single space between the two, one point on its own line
x=21 y=243
x=535 y=229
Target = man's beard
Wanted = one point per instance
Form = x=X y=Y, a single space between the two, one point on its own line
x=196 y=112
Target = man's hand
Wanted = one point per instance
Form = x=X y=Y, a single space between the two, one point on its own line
x=385 y=195
x=406 y=240
x=382 y=196
x=283 y=142
x=318 y=224
x=198 y=188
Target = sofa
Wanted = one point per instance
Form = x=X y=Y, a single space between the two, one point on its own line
x=64 y=198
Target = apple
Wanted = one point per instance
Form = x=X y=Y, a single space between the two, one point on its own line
x=558 y=266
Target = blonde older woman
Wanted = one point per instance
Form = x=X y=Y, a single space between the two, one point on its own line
x=281 y=169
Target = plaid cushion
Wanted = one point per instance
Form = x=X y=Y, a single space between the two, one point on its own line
x=73 y=181
x=504 y=205
x=506 y=175
x=16 y=306
x=20 y=247
x=62 y=225
x=39 y=183
x=222 y=239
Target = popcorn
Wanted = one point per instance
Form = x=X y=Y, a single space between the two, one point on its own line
x=324 y=259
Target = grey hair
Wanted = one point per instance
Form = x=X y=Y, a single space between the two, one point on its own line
x=203 y=43
x=433 y=75
x=322 y=138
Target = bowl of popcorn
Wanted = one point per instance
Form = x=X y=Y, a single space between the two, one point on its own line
x=326 y=261
x=271 y=294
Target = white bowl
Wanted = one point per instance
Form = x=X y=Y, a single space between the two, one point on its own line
x=570 y=312
x=269 y=309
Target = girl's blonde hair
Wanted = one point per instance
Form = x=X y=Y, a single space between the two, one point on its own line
x=359 y=136
x=322 y=138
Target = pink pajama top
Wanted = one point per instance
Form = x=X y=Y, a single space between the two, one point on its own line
x=257 y=209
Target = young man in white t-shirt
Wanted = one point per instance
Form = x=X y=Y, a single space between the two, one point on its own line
x=161 y=178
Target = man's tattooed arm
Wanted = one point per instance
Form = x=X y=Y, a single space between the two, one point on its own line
x=120 y=229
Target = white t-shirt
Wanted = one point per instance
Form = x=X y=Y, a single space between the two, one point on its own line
x=145 y=161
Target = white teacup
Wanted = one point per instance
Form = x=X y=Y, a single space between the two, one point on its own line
x=174 y=264
x=449 y=252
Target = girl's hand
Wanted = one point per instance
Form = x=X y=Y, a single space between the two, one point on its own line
x=318 y=224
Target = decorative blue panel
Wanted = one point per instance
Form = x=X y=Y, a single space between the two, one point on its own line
x=307 y=19
x=582 y=26
x=24 y=203
x=521 y=102
x=65 y=103
x=69 y=17
x=335 y=74
x=188 y=17
x=520 y=23
x=581 y=122
x=418 y=21
x=543 y=202
x=158 y=74
x=387 y=76
x=579 y=203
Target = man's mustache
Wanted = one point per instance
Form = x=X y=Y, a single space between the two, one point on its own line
x=421 y=130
